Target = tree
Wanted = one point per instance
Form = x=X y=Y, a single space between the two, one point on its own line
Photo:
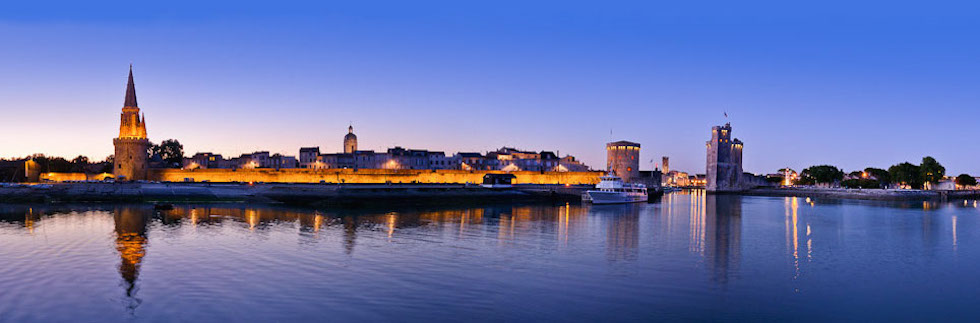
x=56 y=165
x=861 y=183
x=965 y=180
x=930 y=171
x=906 y=173
x=880 y=174
x=171 y=151
x=824 y=174
x=79 y=164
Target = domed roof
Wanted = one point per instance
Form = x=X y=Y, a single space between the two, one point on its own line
x=350 y=134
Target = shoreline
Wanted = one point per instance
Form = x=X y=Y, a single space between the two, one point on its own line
x=864 y=194
x=327 y=194
x=285 y=193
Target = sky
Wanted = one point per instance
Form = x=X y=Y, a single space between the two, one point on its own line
x=845 y=83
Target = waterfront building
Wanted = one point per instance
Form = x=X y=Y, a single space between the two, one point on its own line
x=512 y=159
x=439 y=160
x=623 y=159
x=677 y=179
x=308 y=156
x=131 y=159
x=570 y=164
x=650 y=178
x=504 y=159
x=280 y=161
x=724 y=164
x=203 y=160
x=350 y=141
x=474 y=161
x=697 y=180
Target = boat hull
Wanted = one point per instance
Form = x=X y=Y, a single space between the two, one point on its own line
x=600 y=197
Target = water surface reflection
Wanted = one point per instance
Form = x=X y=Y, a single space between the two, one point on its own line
x=688 y=255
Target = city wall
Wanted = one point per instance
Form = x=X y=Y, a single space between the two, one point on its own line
x=300 y=175
x=72 y=177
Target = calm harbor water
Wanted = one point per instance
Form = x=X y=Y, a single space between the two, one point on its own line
x=689 y=256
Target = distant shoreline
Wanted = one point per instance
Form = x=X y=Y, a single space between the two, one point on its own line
x=864 y=194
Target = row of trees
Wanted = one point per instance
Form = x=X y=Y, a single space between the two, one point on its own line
x=170 y=152
x=929 y=171
x=80 y=164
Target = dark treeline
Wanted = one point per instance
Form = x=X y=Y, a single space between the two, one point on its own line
x=906 y=174
x=168 y=154
x=13 y=170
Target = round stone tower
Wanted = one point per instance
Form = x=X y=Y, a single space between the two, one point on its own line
x=623 y=159
x=350 y=141
x=131 y=147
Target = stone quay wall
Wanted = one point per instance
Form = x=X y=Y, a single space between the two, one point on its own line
x=299 y=175
x=72 y=177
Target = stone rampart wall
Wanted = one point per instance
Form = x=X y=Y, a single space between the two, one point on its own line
x=363 y=176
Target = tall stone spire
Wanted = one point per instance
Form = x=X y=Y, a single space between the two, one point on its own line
x=130 y=90
x=131 y=145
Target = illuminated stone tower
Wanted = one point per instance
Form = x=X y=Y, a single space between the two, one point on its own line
x=623 y=158
x=350 y=141
x=724 y=167
x=131 y=156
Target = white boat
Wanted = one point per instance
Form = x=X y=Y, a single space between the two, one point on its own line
x=611 y=189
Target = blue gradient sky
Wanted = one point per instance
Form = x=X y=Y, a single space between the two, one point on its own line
x=853 y=85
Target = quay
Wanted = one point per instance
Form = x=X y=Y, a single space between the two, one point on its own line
x=865 y=194
x=288 y=193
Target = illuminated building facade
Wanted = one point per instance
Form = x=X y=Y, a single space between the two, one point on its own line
x=724 y=164
x=623 y=159
x=131 y=146
x=307 y=156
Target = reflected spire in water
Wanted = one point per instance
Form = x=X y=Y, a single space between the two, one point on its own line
x=29 y=218
x=391 y=219
x=350 y=234
x=130 y=230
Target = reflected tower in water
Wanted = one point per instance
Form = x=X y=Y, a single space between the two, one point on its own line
x=722 y=234
x=130 y=229
x=622 y=224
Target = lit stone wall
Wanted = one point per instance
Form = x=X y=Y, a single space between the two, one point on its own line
x=300 y=175
x=66 y=177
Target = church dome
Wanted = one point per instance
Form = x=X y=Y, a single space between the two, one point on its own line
x=350 y=141
x=350 y=134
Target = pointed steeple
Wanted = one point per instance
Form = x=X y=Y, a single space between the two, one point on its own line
x=130 y=90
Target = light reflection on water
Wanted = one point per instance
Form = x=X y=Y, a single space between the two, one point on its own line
x=688 y=256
